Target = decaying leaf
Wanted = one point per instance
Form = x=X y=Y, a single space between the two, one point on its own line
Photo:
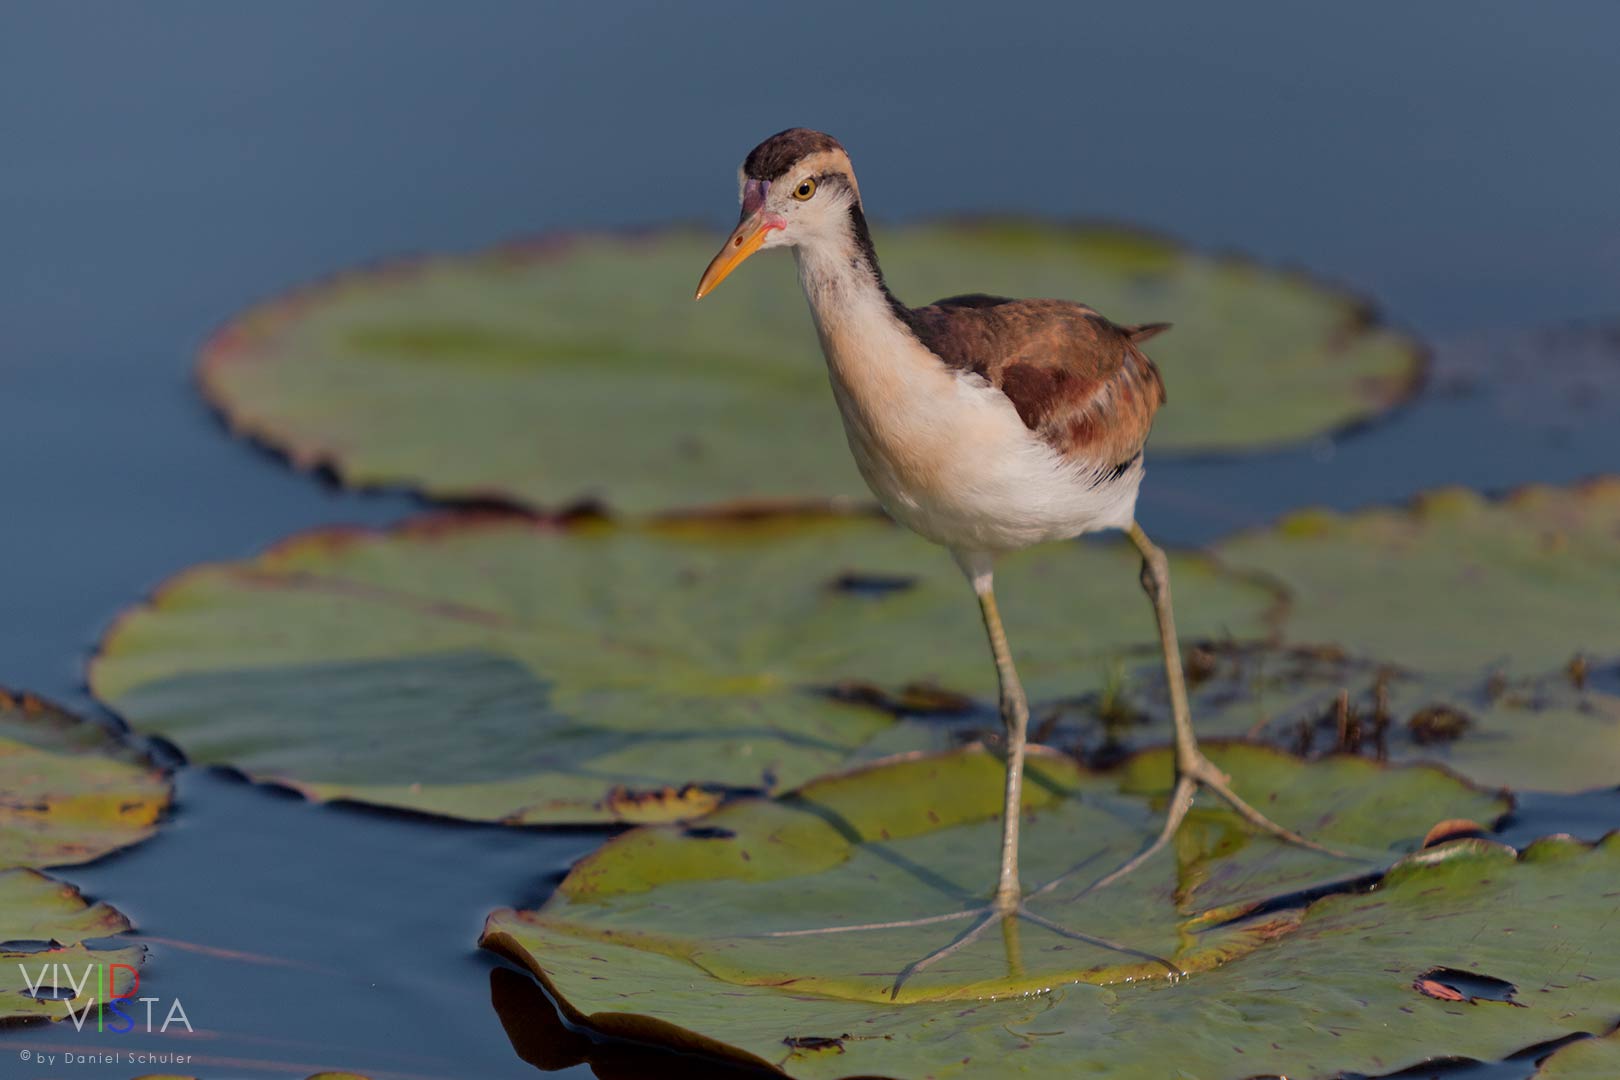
x=70 y=791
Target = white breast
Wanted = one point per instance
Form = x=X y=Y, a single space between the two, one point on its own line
x=945 y=452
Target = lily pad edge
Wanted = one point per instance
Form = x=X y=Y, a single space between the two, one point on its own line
x=1364 y=315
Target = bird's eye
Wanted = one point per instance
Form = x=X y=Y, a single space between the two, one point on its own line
x=805 y=189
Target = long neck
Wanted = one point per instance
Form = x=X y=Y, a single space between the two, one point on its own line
x=844 y=284
x=882 y=376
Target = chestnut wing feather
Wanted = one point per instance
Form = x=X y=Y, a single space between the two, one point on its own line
x=1077 y=380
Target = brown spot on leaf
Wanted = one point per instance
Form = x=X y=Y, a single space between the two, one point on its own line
x=1200 y=664
x=1438 y=724
x=667 y=803
x=816 y=1042
x=1577 y=670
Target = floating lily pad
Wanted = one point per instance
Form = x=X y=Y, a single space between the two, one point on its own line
x=1341 y=990
x=1588 y=1059
x=73 y=791
x=1456 y=583
x=1496 y=731
x=916 y=838
x=505 y=669
x=57 y=953
x=564 y=370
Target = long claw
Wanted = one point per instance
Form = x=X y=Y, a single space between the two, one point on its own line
x=1100 y=942
x=1181 y=800
x=962 y=941
x=899 y=924
x=1205 y=773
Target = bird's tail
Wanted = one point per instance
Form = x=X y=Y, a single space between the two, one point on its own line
x=1146 y=332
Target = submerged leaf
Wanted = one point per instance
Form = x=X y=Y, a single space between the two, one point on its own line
x=1335 y=993
x=1557 y=384
x=501 y=668
x=579 y=369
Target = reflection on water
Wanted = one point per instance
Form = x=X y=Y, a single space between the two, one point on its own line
x=166 y=167
x=540 y=1037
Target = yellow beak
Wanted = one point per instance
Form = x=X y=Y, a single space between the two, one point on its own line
x=746 y=239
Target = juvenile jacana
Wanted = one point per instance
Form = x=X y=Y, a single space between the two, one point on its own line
x=986 y=425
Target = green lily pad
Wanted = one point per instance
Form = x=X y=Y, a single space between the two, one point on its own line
x=1358 y=982
x=500 y=668
x=1588 y=1059
x=916 y=838
x=1455 y=584
x=73 y=791
x=563 y=370
x=57 y=953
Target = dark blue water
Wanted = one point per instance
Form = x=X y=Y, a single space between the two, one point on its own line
x=163 y=165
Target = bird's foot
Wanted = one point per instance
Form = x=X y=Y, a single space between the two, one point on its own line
x=994 y=913
x=1193 y=771
x=1203 y=772
x=1008 y=913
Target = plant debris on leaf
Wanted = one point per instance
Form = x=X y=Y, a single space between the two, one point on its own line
x=1496 y=731
x=503 y=668
x=579 y=368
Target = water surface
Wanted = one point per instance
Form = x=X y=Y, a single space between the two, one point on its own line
x=165 y=165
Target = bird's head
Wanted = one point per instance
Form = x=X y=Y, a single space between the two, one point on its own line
x=795 y=187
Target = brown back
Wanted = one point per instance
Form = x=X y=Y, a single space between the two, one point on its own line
x=1078 y=380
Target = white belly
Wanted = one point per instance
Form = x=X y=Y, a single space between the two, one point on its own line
x=948 y=456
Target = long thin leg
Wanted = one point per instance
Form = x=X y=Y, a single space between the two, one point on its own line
x=1015 y=719
x=1192 y=767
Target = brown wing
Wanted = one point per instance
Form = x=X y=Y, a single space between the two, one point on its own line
x=1076 y=379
